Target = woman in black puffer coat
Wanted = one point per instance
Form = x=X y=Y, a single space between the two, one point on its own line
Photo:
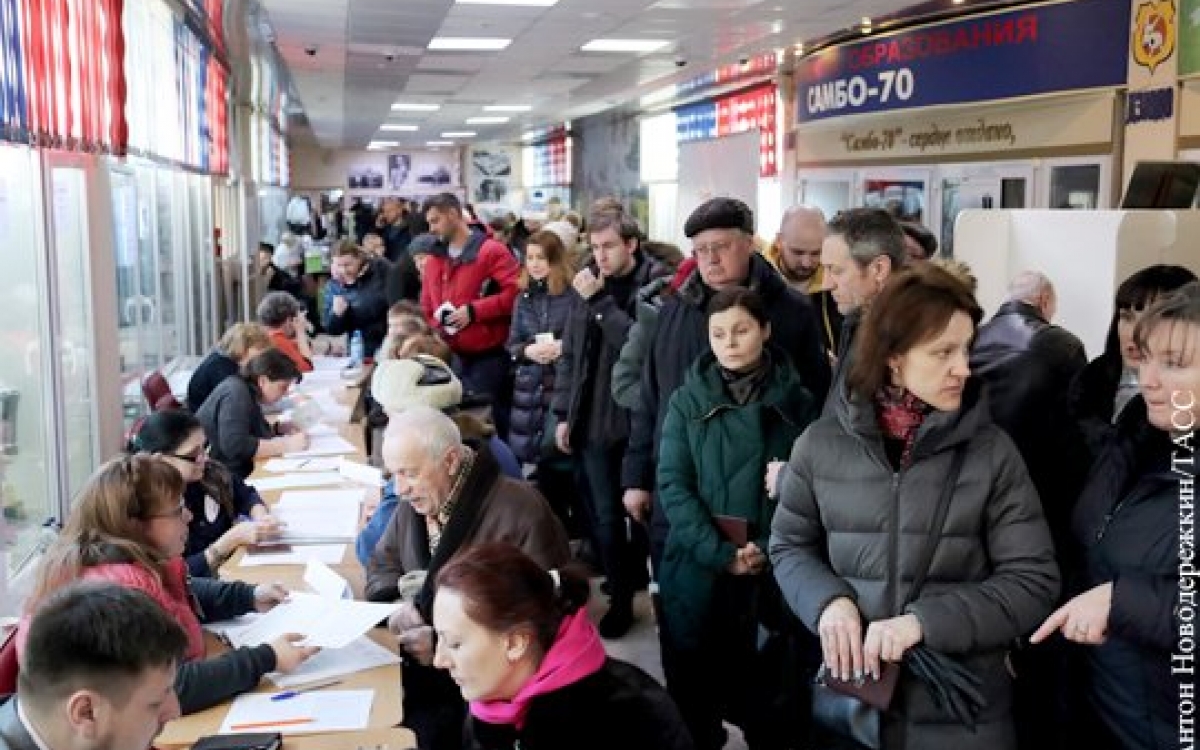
x=535 y=343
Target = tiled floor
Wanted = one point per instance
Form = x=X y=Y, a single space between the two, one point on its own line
x=640 y=645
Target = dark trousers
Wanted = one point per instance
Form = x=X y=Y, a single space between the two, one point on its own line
x=740 y=672
x=555 y=480
x=490 y=373
x=433 y=707
x=606 y=515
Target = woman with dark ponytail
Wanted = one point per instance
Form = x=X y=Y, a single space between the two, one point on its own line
x=226 y=512
x=518 y=642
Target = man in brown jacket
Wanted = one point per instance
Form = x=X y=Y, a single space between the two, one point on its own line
x=457 y=497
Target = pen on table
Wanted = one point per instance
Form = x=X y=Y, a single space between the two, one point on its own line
x=267 y=724
x=304 y=689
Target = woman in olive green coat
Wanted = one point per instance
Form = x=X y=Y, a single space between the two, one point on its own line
x=741 y=406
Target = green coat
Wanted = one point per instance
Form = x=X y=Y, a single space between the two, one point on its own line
x=713 y=457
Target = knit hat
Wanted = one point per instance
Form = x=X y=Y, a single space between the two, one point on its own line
x=420 y=381
x=422 y=244
x=566 y=232
x=720 y=213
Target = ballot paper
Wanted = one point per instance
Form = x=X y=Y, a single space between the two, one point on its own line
x=324 y=582
x=329 y=364
x=318 y=514
x=324 y=445
x=361 y=473
x=330 y=554
x=323 y=621
x=297 y=479
x=289 y=465
x=359 y=655
x=318 y=711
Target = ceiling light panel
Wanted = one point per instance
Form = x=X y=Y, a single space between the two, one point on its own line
x=415 y=107
x=488 y=120
x=625 y=45
x=459 y=134
x=507 y=108
x=478 y=43
x=395 y=128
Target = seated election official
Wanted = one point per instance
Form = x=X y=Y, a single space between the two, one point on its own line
x=99 y=672
x=129 y=526
x=517 y=641
x=455 y=496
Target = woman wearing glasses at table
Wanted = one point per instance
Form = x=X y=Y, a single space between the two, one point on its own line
x=227 y=514
x=129 y=525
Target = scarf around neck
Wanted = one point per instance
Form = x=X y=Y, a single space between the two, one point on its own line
x=745 y=386
x=900 y=415
x=577 y=653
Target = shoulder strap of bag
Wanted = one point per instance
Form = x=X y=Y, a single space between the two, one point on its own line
x=939 y=520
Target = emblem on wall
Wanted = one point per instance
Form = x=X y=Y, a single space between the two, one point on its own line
x=1154 y=33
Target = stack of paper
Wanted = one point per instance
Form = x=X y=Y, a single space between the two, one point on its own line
x=319 y=711
x=360 y=655
x=297 y=479
x=330 y=554
x=288 y=465
x=324 y=445
x=319 y=515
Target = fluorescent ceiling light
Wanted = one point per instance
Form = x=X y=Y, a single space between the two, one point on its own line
x=459 y=134
x=539 y=3
x=414 y=107
x=468 y=43
x=507 y=108
x=439 y=143
x=624 y=45
x=379 y=145
x=398 y=128
x=486 y=120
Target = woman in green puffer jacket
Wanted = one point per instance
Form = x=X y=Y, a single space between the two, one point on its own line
x=741 y=406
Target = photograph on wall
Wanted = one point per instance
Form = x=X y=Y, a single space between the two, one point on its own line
x=399 y=169
x=435 y=170
x=365 y=176
x=491 y=175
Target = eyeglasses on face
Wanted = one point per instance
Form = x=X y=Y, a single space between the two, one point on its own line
x=713 y=248
x=176 y=512
x=195 y=456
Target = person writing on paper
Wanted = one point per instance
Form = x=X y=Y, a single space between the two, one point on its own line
x=857 y=503
x=740 y=405
x=456 y=497
x=99 y=672
x=517 y=641
x=1125 y=607
x=227 y=514
x=129 y=526
x=233 y=416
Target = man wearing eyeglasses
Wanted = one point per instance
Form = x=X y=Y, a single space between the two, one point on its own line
x=722 y=235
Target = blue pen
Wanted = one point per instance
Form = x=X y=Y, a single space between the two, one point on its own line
x=293 y=693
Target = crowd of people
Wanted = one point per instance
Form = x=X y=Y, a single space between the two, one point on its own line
x=822 y=454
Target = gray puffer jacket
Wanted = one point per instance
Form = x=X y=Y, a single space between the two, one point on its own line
x=849 y=525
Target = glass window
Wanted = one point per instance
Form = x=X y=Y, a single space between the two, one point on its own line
x=1075 y=186
x=26 y=472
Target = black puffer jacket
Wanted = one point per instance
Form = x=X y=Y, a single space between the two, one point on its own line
x=849 y=525
x=537 y=311
x=1127 y=523
x=619 y=706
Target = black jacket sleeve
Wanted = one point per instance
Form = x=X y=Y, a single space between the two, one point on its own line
x=222 y=600
x=203 y=684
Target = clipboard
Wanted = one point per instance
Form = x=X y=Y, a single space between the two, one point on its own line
x=733 y=528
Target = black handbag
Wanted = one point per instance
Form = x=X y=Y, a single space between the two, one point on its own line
x=853 y=710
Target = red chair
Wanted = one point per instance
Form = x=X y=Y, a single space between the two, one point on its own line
x=158 y=394
x=8 y=665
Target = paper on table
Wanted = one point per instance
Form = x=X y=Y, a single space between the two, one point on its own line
x=360 y=655
x=324 y=582
x=331 y=554
x=281 y=465
x=329 y=364
x=322 y=711
x=363 y=473
x=324 y=445
x=324 y=622
x=318 y=430
x=319 y=514
x=298 y=479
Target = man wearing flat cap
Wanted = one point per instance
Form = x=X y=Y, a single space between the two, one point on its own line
x=722 y=235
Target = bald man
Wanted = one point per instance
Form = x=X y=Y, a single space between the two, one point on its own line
x=797 y=255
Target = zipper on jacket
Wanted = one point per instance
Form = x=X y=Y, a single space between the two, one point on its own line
x=1108 y=517
x=894 y=543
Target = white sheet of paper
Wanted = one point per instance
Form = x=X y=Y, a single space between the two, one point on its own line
x=330 y=364
x=324 y=622
x=319 y=514
x=318 y=711
x=360 y=655
x=318 y=430
x=324 y=445
x=361 y=473
x=324 y=582
x=289 y=465
x=330 y=554
x=297 y=479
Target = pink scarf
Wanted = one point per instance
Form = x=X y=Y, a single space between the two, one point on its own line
x=577 y=652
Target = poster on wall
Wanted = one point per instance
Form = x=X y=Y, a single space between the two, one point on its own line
x=399 y=169
x=491 y=175
x=434 y=171
x=1189 y=37
x=365 y=176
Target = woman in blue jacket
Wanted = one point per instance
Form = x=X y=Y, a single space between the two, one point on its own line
x=741 y=406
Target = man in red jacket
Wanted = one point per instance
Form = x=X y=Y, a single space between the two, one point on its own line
x=469 y=287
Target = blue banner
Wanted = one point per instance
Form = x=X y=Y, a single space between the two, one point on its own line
x=1059 y=47
x=696 y=122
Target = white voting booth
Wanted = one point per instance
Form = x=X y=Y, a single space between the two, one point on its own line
x=1087 y=254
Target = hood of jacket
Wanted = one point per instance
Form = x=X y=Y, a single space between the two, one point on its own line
x=470 y=250
x=781 y=390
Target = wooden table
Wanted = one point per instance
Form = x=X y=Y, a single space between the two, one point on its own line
x=383 y=731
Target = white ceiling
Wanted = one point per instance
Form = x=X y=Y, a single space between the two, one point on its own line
x=371 y=53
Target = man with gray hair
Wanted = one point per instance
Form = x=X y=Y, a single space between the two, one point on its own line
x=283 y=316
x=456 y=497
